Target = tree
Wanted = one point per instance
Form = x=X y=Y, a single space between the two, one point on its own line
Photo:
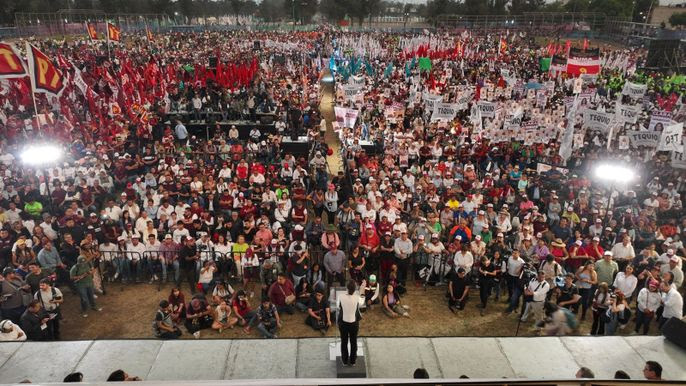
x=271 y=10
x=333 y=10
x=678 y=19
x=301 y=10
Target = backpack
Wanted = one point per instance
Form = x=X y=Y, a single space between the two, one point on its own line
x=572 y=321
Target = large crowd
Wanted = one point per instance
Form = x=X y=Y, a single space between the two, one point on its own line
x=159 y=183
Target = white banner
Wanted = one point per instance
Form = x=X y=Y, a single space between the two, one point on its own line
x=356 y=81
x=346 y=117
x=430 y=100
x=487 y=109
x=626 y=113
x=597 y=121
x=659 y=119
x=643 y=138
x=351 y=91
x=444 y=111
x=634 y=90
x=671 y=138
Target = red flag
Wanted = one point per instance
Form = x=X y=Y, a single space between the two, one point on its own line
x=585 y=44
x=92 y=32
x=46 y=77
x=113 y=32
x=11 y=64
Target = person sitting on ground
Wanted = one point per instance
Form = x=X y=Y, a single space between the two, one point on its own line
x=164 y=326
x=222 y=318
x=391 y=304
x=268 y=319
x=222 y=292
x=198 y=315
x=242 y=310
x=319 y=312
x=369 y=290
x=282 y=294
x=178 y=305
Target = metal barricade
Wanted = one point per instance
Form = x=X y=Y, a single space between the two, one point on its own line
x=121 y=264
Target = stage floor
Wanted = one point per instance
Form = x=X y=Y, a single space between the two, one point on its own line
x=532 y=358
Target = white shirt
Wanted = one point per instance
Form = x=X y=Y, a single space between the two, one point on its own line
x=113 y=213
x=348 y=305
x=13 y=335
x=465 y=260
x=673 y=303
x=648 y=300
x=46 y=296
x=540 y=290
x=140 y=248
x=625 y=284
x=514 y=265
x=622 y=252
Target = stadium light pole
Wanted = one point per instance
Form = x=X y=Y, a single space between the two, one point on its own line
x=614 y=174
x=41 y=156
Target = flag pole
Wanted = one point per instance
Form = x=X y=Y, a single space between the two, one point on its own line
x=107 y=25
x=33 y=87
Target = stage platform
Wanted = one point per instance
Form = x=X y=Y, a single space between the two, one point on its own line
x=283 y=359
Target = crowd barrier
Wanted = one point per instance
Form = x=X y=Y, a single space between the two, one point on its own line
x=160 y=267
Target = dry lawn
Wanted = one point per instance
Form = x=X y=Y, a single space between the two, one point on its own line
x=129 y=310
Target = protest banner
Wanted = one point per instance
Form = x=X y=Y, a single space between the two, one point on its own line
x=643 y=138
x=634 y=90
x=659 y=119
x=671 y=138
x=597 y=121
x=626 y=113
x=487 y=109
x=346 y=117
x=444 y=111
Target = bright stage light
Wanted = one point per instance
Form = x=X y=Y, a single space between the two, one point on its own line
x=38 y=155
x=614 y=173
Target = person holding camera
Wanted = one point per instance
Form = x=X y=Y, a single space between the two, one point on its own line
x=163 y=325
x=535 y=294
x=50 y=298
x=617 y=313
x=319 y=312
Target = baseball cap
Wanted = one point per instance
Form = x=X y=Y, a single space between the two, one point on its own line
x=372 y=278
x=168 y=236
x=670 y=252
x=434 y=236
x=674 y=259
x=500 y=234
x=607 y=253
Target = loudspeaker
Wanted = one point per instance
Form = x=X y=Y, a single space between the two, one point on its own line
x=675 y=331
x=266 y=119
x=664 y=53
x=213 y=62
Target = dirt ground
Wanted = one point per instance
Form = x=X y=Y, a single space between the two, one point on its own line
x=128 y=312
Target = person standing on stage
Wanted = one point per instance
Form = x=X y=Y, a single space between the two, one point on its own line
x=349 y=324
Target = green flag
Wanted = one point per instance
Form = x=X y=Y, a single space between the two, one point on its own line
x=545 y=64
x=425 y=64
